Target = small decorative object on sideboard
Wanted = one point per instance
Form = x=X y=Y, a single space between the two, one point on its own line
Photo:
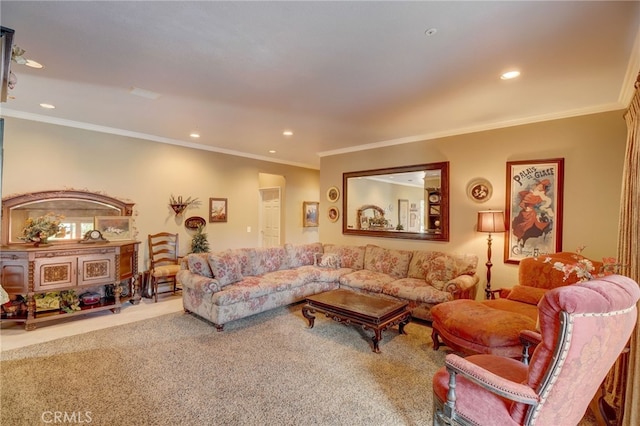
x=94 y=236
x=39 y=230
x=179 y=205
x=89 y=298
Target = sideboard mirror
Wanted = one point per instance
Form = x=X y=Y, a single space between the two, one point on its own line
x=399 y=202
x=79 y=209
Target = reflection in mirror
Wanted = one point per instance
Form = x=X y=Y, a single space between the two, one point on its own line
x=78 y=209
x=401 y=202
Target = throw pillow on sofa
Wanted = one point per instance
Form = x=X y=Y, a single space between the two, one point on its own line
x=394 y=263
x=225 y=267
x=198 y=264
x=303 y=254
x=328 y=260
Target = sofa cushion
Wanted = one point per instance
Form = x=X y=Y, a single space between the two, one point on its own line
x=350 y=256
x=526 y=294
x=303 y=254
x=444 y=267
x=420 y=263
x=246 y=258
x=325 y=275
x=365 y=279
x=416 y=289
x=198 y=263
x=269 y=259
x=225 y=267
x=387 y=261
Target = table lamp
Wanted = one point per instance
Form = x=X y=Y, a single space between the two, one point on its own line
x=490 y=221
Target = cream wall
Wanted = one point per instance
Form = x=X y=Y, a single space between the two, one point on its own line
x=40 y=156
x=593 y=148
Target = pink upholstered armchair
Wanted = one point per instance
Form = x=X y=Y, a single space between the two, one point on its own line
x=584 y=327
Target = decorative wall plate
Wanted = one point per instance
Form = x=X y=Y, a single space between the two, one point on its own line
x=333 y=213
x=333 y=194
x=193 y=222
x=479 y=190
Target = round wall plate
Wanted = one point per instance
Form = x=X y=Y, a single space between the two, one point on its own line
x=193 y=222
x=333 y=194
x=333 y=213
x=479 y=190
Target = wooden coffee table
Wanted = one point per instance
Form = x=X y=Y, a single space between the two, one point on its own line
x=370 y=311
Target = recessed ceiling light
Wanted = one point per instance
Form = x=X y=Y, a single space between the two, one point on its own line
x=431 y=31
x=47 y=106
x=272 y=151
x=33 y=64
x=288 y=133
x=509 y=75
x=194 y=135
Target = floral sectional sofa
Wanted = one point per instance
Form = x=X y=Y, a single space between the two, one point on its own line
x=236 y=283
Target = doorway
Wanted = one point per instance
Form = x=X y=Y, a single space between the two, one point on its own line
x=270 y=200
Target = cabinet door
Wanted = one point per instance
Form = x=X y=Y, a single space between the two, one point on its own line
x=55 y=272
x=127 y=259
x=97 y=269
x=13 y=272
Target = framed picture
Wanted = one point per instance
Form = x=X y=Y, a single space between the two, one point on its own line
x=217 y=210
x=534 y=208
x=333 y=213
x=114 y=228
x=479 y=190
x=333 y=194
x=403 y=215
x=310 y=213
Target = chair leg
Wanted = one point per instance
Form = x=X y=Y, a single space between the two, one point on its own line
x=154 y=287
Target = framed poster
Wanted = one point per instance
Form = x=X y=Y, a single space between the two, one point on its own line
x=533 y=208
x=217 y=210
x=310 y=213
x=114 y=228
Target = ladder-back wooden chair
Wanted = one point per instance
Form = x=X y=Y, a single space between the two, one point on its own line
x=163 y=260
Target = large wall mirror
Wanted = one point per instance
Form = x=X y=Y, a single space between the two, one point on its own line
x=79 y=209
x=399 y=202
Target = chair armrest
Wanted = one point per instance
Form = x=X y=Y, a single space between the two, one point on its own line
x=492 y=382
x=462 y=287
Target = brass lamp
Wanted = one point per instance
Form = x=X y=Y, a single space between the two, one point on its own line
x=490 y=221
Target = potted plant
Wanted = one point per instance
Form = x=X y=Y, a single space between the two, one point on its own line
x=199 y=243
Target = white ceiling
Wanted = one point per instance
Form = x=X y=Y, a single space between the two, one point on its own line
x=341 y=75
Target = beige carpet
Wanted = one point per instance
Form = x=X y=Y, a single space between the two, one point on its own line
x=266 y=369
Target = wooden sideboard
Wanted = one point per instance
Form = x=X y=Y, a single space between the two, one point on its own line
x=28 y=271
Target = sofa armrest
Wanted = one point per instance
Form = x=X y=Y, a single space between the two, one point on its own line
x=463 y=286
x=197 y=282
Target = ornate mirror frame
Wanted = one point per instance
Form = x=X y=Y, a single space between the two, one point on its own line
x=9 y=203
x=440 y=232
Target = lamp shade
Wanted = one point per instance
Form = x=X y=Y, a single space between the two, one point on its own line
x=491 y=221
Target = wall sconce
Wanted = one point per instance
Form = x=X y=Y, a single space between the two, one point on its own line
x=179 y=205
x=490 y=221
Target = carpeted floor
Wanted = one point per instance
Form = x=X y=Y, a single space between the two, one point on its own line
x=265 y=369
